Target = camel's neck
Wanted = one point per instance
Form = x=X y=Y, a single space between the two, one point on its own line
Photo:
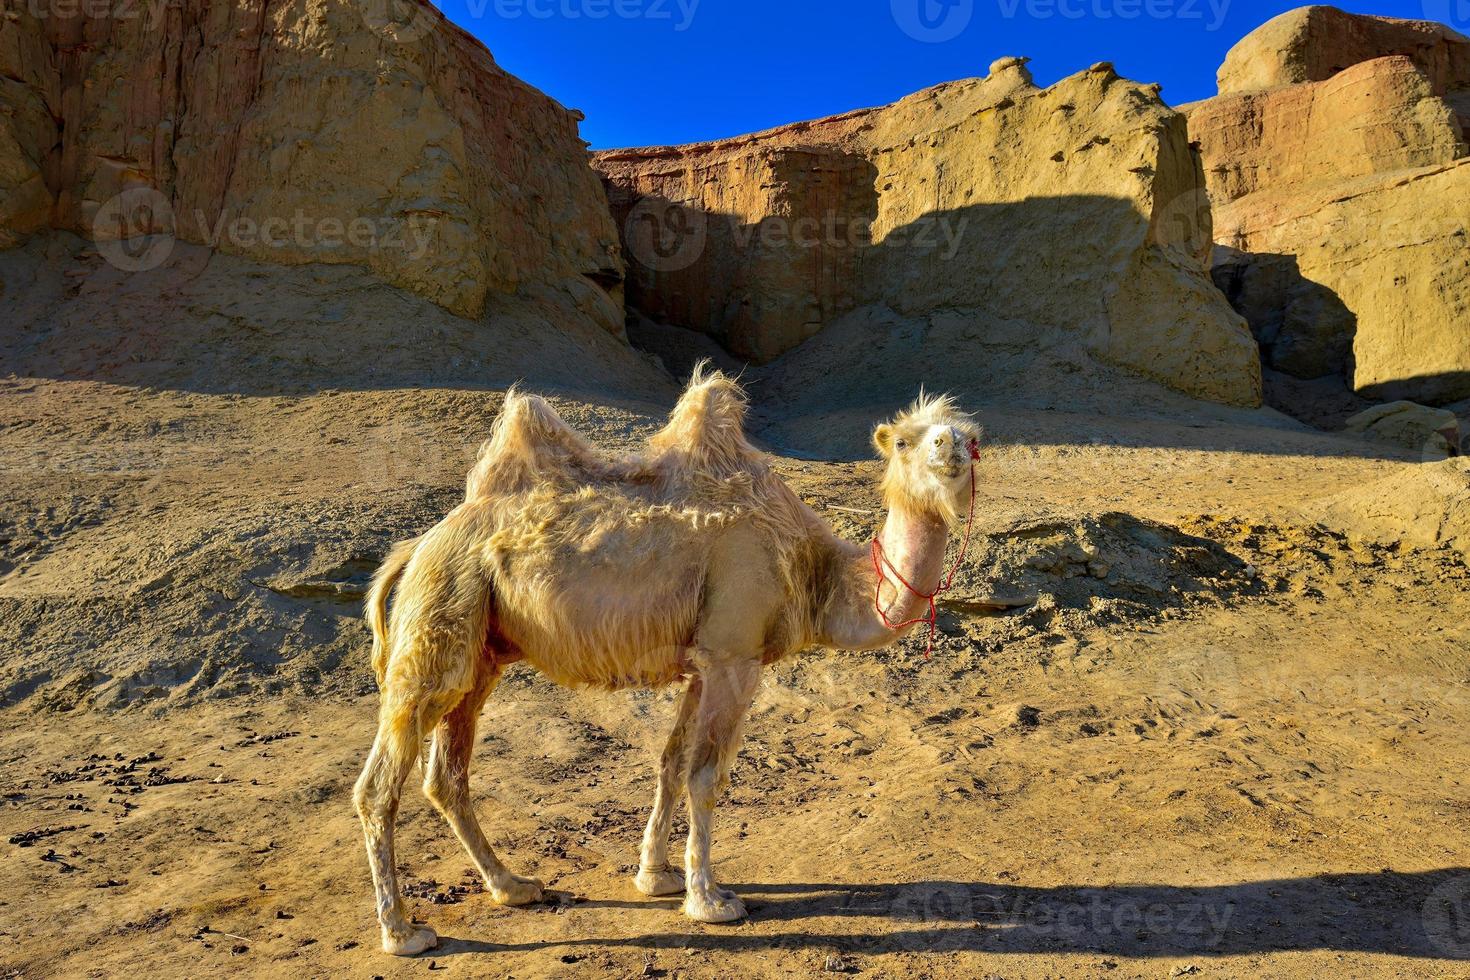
x=914 y=545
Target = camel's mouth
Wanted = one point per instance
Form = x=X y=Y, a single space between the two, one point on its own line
x=949 y=468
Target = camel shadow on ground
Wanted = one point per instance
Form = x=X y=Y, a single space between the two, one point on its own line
x=1420 y=914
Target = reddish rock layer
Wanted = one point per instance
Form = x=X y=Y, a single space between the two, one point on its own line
x=445 y=174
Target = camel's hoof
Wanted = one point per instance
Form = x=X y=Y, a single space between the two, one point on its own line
x=654 y=883
x=719 y=906
x=412 y=944
x=517 y=891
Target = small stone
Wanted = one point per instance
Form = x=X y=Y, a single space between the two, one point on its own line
x=836 y=963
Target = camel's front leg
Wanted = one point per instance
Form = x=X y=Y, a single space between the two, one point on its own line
x=728 y=691
x=655 y=877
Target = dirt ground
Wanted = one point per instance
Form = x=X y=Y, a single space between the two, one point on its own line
x=1221 y=735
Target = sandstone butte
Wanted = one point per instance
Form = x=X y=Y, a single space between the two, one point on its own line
x=307 y=112
x=1074 y=215
x=1070 y=214
x=1337 y=166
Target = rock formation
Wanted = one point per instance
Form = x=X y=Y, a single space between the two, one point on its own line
x=1312 y=44
x=1434 y=432
x=315 y=131
x=1072 y=216
x=1344 y=197
x=28 y=91
x=1375 y=117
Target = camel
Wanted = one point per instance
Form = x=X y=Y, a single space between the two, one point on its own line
x=689 y=562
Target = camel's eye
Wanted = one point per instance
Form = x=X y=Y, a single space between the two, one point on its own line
x=901 y=445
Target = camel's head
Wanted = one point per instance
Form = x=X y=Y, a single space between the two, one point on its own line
x=928 y=449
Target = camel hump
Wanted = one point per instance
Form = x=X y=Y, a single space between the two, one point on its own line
x=707 y=426
x=528 y=440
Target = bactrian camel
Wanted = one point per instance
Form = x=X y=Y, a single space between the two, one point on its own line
x=690 y=562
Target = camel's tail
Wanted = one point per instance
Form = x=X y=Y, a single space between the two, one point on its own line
x=376 y=606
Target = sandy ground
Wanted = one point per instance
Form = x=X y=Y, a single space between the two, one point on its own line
x=1259 y=772
x=1222 y=736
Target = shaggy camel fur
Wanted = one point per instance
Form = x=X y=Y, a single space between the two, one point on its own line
x=689 y=561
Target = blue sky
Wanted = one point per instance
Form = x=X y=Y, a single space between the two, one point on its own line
x=674 y=71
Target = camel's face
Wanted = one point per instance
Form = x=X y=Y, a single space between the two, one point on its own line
x=928 y=454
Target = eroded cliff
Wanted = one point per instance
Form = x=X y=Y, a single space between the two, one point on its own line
x=310 y=131
x=1072 y=216
x=1336 y=162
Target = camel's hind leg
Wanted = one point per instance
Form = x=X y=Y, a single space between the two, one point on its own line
x=655 y=877
x=437 y=638
x=394 y=752
x=447 y=785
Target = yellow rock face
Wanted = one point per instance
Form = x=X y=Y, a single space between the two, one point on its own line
x=1375 y=117
x=1344 y=199
x=1312 y=44
x=1073 y=215
x=1393 y=251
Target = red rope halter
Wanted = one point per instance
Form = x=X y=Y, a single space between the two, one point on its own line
x=880 y=561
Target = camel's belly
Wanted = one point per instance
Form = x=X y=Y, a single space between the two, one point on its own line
x=605 y=627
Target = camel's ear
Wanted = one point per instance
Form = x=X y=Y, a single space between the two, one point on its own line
x=883 y=440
